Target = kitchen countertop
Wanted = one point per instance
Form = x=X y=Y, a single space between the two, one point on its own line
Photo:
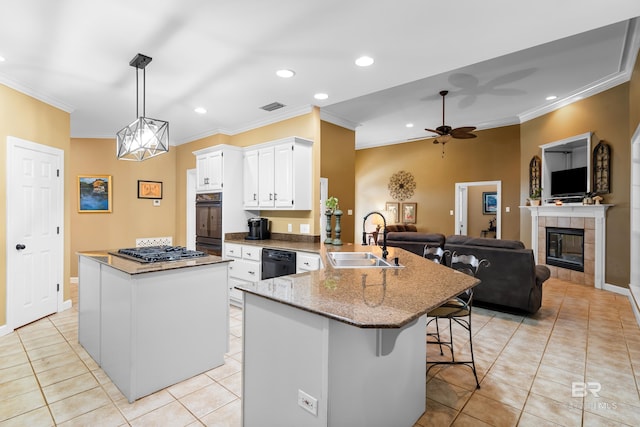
x=367 y=297
x=133 y=267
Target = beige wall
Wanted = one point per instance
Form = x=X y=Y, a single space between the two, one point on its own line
x=131 y=217
x=337 y=164
x=27 y=118
x=607 y=115
x=492 y=156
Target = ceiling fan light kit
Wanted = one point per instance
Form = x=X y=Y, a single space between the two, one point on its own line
x=145 y=137
x=445 y=132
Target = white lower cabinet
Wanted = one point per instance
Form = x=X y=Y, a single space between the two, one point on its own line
x=307 y=261
x=245 y=268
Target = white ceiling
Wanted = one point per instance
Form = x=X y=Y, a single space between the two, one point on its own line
x=498 y=58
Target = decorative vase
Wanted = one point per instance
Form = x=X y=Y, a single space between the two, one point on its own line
x=337 y=241
x=535 y=202
x=328 y=240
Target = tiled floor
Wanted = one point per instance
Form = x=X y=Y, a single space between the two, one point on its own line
x=526 y=365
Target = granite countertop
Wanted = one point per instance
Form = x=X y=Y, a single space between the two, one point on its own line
x=133 y=267
x=367 y=297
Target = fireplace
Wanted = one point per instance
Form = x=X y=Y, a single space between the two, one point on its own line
x=565 y=248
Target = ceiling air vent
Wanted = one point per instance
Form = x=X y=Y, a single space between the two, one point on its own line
x=272 y=106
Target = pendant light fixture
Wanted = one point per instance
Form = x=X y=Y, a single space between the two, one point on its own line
x=145 y=137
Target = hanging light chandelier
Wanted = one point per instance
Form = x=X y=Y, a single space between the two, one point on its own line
x=145 y=137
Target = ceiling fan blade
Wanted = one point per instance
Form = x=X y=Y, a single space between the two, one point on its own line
x=435 y=131
x=464 y=129
x=463 y=135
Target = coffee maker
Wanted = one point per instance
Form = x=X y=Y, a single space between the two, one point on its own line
x=258 y=229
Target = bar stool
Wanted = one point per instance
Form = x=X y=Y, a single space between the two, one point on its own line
x=458 y=310
x=435 y=254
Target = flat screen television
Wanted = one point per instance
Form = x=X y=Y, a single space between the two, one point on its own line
x=569 y=182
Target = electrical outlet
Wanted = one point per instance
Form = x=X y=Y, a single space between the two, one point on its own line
x=451 y=212
x=289 y=228
x=307 y=402
x=156 y=202
x=349 y=211
x=507 y=209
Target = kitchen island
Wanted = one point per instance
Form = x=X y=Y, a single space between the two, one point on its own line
x=151 y=325
x=342 y=346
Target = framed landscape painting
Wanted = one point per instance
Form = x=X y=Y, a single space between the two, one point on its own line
x=94 y=193
x=489 y=202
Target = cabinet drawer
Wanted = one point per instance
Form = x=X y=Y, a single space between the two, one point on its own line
x=307 y=262
x=232 y=250
x=246 y=270
x=251 y=252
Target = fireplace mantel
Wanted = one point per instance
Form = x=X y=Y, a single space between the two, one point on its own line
x=598 y=212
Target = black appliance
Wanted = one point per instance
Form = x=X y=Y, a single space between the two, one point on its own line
x=276 y=263
x=158 y=253
x=209 y=223
x=258 y=229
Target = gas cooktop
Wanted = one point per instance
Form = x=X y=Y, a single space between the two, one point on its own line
x=158 y=253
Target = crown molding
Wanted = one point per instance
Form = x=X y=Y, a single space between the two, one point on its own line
x=34 y=94
x=338 y=121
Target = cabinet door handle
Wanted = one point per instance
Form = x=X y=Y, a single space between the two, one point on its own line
x=206 y=180
x=275 y=196
x=306 y=263
x=252 y=272
x=248 y=253
x=254 y=197
x=270 y=196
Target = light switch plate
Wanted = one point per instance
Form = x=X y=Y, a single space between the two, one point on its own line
x=156 y=203
x=305 y=228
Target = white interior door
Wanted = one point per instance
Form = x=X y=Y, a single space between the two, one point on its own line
x=635 y=216
x=35 y=200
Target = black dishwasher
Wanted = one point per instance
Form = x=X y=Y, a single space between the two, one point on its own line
x=276 y=263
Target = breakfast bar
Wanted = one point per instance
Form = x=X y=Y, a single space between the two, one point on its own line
x=344 y=345
x=151 y=325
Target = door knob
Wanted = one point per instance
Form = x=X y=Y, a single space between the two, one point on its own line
x=20 y=246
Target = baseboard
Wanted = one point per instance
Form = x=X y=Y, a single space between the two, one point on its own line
x=5 y=330
x=616 y=289
x=635 y=303
x=73 y=280
x=634 y=299
x=66 y=305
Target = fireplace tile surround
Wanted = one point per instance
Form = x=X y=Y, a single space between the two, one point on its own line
x=591 y=219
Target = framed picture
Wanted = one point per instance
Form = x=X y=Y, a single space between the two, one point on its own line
x=489 y=202
x=392 y=208
x=149 y=189
x=409 y=213
x=94 y=193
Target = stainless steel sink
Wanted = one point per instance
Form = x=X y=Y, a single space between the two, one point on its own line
x=358 y=260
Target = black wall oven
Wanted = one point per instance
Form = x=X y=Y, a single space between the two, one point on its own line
x=209 y=223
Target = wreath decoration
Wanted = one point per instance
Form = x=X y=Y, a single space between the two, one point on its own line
x=401 y=185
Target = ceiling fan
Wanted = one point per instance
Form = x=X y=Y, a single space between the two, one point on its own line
x=445 y=133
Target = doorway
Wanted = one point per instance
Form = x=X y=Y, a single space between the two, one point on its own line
x=35 y=243
x=635 y=217
x=477 y=206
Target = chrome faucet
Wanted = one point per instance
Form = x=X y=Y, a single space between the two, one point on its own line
x=384 y=233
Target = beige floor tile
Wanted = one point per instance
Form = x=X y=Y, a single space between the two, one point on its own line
x=558 y=375
x=503 y=391
x=20 y=404
x=54 y=361
x=558 y=412
x=207 y=399
x=447 y=394
x=437 y=415
x=144 y=405
x=15 y=372
x=66 y=388
x=229 y=415
x=491 y=411
x=107 y=415
x=62 y=373
x=592 y=420
x=172 y=414
x=18 y=386
x=529 y=420
x=13 y=359
x=79 y=404
x=50 y=350
x=513 y=374
x=613 y=409
x=460 y=375
x=230 y=367
x=40 y=417
x=43 y=341
x=558 y=391
x=189 y=386
x=233 y=383
x=464 y=420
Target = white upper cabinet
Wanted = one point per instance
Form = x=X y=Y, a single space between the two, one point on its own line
x=279 y=172
x=209 y=171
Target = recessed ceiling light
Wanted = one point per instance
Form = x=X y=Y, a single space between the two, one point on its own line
x=409 y=125
x=364 y=61
x=321 y=96
x=551 y=97
x=2 y=59
x=200 y=110
x=285 y=74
